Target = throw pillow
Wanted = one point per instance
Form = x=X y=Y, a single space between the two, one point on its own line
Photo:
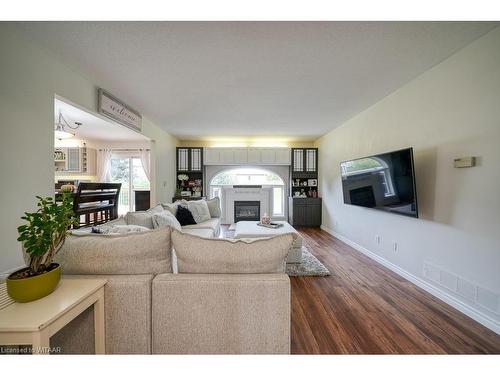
x=143 y=218
x=147 y=252
x=201 y=255
x=164 y=219
x=118 y=229
x=172 y=207
x=184 y=216
x=199 y=210
x=214 y=207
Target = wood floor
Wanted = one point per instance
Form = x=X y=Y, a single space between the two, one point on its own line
x=364 y=307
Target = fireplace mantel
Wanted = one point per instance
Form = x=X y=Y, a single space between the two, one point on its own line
x=231 y=194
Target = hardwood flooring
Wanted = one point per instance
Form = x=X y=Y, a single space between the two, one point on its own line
x=366 y=308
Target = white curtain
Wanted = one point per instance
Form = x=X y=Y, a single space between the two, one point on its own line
x=145 y=160
x=103 y=165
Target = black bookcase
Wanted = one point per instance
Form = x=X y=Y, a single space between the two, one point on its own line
x=189 y=162
x=304 y=204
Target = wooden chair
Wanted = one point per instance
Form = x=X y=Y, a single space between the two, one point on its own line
x=96 y=203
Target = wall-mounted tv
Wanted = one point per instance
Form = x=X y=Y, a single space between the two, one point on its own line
x=384 y=182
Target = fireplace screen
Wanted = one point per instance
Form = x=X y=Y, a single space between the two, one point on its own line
x=246 y=211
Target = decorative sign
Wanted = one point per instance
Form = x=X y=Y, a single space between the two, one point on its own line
x=118 y=111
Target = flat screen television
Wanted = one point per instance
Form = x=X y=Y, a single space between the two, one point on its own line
x=384 y=182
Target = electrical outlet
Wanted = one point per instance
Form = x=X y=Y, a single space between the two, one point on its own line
x=377 y=239
x=394 y=246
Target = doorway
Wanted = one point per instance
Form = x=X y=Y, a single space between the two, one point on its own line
x=128 y=170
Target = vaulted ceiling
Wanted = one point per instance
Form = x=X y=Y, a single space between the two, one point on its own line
x=294 y=79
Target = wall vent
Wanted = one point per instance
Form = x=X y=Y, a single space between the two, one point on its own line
x=467 y=289
x=487 y=299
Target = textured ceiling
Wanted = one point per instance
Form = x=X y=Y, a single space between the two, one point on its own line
x=294 y=79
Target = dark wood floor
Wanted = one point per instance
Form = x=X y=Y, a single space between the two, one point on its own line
x=364 y=307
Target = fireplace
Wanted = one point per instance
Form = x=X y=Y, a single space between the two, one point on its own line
x=246 y=211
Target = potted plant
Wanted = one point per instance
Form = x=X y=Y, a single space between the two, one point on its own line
x=42 y=237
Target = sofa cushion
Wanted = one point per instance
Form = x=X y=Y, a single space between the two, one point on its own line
x=143 y=218
x=164 y=219
x=200 y=211
x=214 y=207
x=184 y=216
x=212 y=224
x=200 y=232
x=134 y=253
x=201 y=255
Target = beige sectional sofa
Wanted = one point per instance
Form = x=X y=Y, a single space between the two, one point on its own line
x=207 y=229
x=208 y=307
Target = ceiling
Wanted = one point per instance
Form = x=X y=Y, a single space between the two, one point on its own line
x=296 y=79
x=95 y=128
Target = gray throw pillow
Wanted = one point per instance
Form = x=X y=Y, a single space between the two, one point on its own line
x=214 y=207
x=143 y=218
x=172 y=207
x=199 y=210
x=166 y=219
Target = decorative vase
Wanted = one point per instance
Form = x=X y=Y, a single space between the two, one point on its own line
x=266 y=219
x=35 y=287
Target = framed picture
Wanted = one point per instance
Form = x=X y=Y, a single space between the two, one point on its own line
x=185 y=193
x=312 y=182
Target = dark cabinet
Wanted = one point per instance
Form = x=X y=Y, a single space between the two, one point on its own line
x=190 y=176
x=189 y=159
x=305 y=211
x=305 y=161
x=304 y=205
x=142 y=200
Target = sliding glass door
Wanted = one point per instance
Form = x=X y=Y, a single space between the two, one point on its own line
x=128 y=170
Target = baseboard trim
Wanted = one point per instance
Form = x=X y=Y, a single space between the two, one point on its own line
x=451 y=300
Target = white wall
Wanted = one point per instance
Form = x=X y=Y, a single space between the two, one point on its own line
x=452 y=110
x=29 y=79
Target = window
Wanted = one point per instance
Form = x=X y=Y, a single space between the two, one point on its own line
x=128 y=170
x=251 y=176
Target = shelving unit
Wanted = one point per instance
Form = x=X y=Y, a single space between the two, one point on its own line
x=189 y=163
x=71 y=159
x=304 y=172
x=304 y=204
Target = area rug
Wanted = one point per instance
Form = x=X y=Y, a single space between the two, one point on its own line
x=310 y=266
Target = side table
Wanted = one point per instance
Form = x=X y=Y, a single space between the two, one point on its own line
x=35 y=322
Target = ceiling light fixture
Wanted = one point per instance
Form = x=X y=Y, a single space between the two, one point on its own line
x=60 y=131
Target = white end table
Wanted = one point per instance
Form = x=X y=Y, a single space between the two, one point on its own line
x=35 y=322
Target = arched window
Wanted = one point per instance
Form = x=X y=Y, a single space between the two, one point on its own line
x=251 y=176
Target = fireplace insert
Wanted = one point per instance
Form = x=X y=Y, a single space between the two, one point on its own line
x=246 y=211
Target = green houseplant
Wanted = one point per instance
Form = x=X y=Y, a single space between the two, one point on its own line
x=42 y=236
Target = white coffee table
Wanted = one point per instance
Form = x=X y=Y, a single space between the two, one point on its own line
x=35 y=322
x=250 y=229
